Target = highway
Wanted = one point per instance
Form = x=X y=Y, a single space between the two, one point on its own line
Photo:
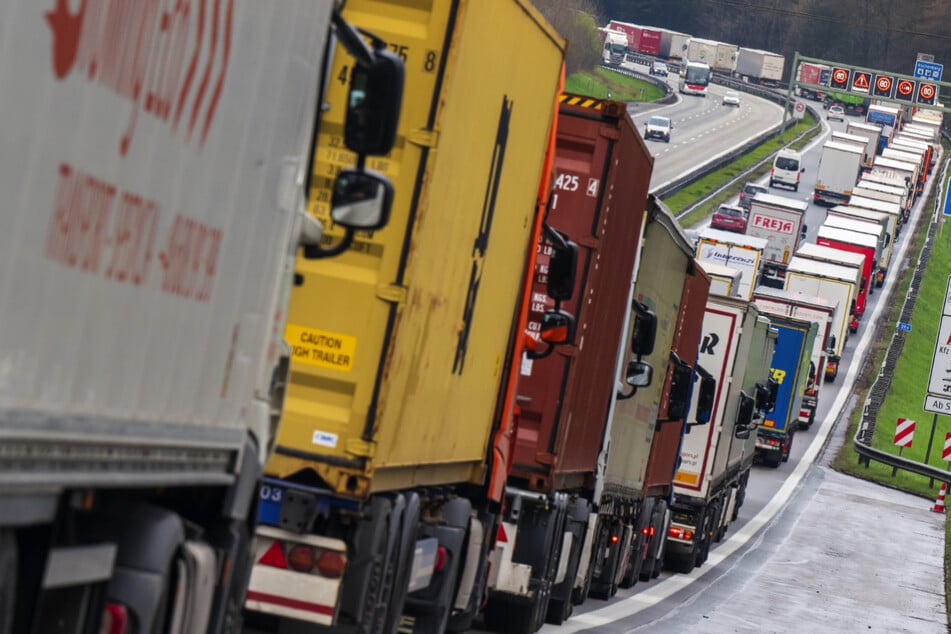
x=808 y=552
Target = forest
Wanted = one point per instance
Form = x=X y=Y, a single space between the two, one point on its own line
x=877 y=34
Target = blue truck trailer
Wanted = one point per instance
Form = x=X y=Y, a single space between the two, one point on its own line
x=790 y=372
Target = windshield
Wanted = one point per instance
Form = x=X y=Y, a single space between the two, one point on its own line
x=617 y=48
x=659 y=122
x=730 y=211
x=697 y=75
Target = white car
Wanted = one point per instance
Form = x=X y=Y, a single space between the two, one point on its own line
x=731 y=98
x=836 y=112
x=658 y=128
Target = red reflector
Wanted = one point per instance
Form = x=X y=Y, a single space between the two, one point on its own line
x=331 y=564
x=651 y=531
x=500 y=535
x=441 y=558
x=301 y=558
x=614 y=539
x=274 y=556
x=115 y=618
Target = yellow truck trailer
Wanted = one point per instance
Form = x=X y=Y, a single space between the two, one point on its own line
x=402 y=344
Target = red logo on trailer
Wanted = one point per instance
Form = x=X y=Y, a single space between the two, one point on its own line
x=904 y=432
x=773 y=224
x=164 y=70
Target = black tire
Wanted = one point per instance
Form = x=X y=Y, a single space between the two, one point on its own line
x=773 y=459
x=796 y=187
x=787 y=449
x=658 y=566
x=510 y=618
x=681 y=564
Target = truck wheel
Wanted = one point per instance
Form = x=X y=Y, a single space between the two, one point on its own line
x=773 y=459
x=8 y=579
x=681 y=564
x=787 y=448
x=508 y=618
x=658 y=566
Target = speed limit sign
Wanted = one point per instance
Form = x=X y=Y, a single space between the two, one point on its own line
x=800 y=109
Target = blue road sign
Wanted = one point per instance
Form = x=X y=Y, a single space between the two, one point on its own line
x=947 y=198
x=903 y=326
x=928 y=70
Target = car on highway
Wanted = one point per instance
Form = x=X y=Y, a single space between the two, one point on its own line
x=729 y=218
x=658 y=127
x=659 y=69
x=836 y=112
x=749 y=192
x=731 y=98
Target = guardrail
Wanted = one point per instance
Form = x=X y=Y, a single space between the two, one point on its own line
x=862 y=441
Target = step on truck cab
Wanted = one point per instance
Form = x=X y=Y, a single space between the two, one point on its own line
x=818 y=310
x=601 y=174
x=790 y=372
x=716 y=453
x=779 y=220
x=152 y=223
x=393 y=425
x=645 y=424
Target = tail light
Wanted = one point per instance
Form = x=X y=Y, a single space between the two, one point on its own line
x=441 y=557
x=304 y=558
x=680 y=533
x=115 y=619
x=614 y=539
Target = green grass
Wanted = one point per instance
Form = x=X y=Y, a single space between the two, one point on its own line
x=695 y=191
x=599 y=82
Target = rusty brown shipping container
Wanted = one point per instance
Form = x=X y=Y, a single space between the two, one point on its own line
x=602 y=173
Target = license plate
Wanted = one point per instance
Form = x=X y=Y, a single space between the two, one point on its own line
x=269 y=504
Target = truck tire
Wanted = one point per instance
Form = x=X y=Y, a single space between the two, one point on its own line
x=681 y=564
x=773 y=459
x=559 y=611
x=787 y=448
x=8 y=579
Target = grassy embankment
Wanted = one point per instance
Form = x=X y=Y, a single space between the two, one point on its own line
x=600 y=82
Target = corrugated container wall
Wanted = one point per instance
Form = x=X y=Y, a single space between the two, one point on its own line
x=413 y=322
x=665 y=449
x=666 y=255
x=601 y=177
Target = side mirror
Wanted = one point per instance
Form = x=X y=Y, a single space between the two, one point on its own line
x=561 y=269
x=645 y=329
x=639 y=374
x=830 y=350
x=744 y=415
x=557 y=328
x=705 y=396
x=679 y=397
x=802 y=169
x=373 y=104
x=361 y=200
x=741 y=433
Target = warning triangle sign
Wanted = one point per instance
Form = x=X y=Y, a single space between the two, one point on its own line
x=861 y=81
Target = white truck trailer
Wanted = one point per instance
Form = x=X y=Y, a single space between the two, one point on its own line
x=780 y=221
x=839 y=167
x=156 y=170
x=736 y=251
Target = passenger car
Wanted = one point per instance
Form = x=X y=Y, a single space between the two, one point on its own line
x=836 y=112
x=749 y=192
x=658 y=128
x=787 y=166
x=659 y=69
x=731 y=98
x=729 y=218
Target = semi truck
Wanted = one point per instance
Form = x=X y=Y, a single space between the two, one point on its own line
x=893 y=184
x=716 y=454
x=818 y=310
x=382 y=493
x=598 y=202
x=672 y=44
x=836 y=237
x=836 y=283
x=725 y=60
x=701 y=50
x=160 y=249
x=866 y=141
x=877 y=223
x=760 y=67
x=839 y=167
x=817 y=76
x=614 y=48
x=640 y=39
x=790 y=371
x=894 y=198
x=778 y=220
x=870 y=131
x=645 y=424
x=735 y=250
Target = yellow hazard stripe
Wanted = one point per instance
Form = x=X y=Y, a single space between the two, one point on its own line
x=577 y=100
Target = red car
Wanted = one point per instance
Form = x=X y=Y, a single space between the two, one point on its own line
x=729 y=218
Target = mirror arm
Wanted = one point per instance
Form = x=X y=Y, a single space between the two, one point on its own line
x=315 y=252
x=621 y=396
x=533 y=355
x=349 y=36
